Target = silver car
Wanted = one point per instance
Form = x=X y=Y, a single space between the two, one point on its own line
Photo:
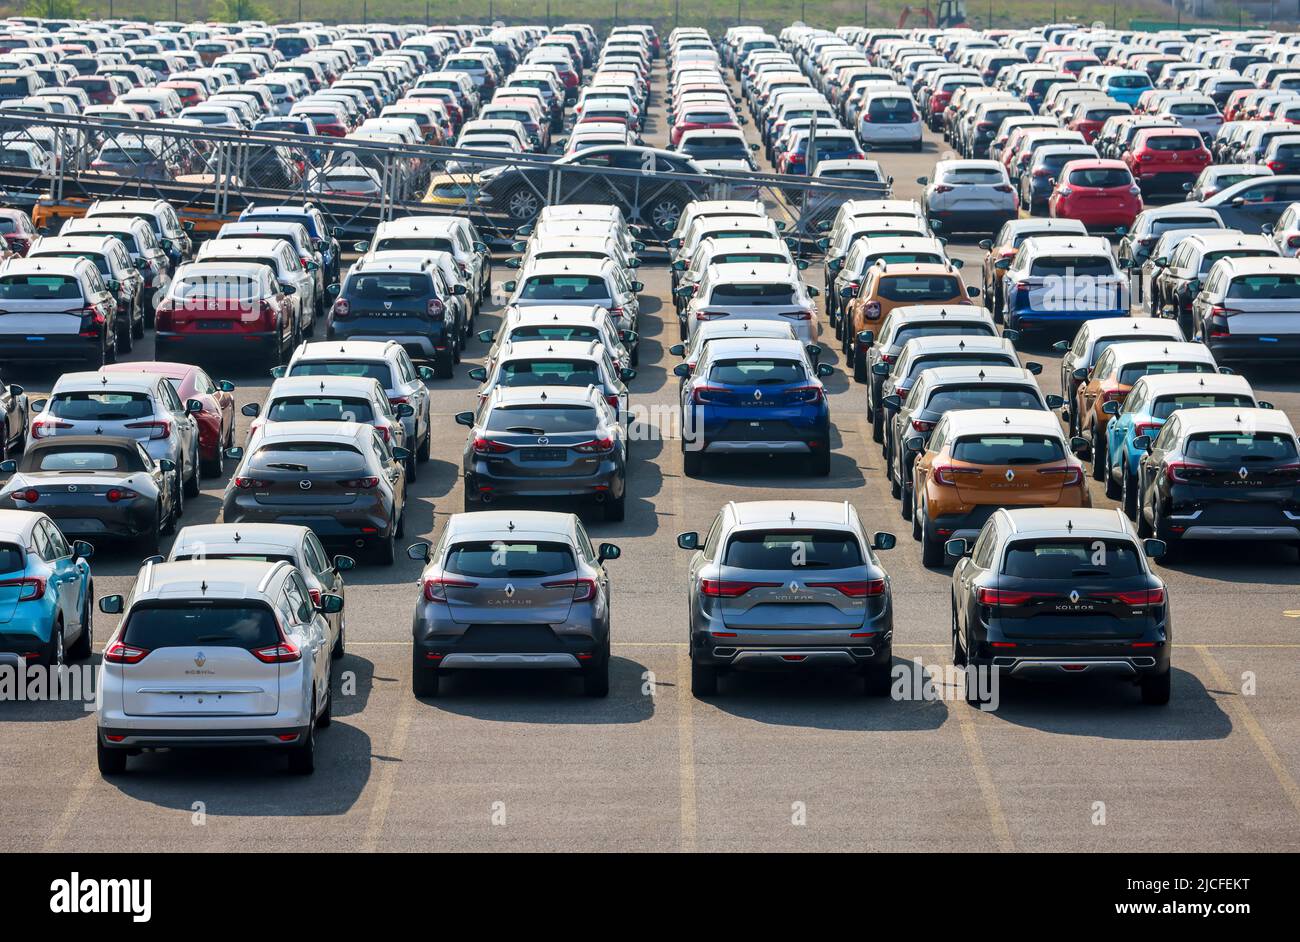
x=788 y=585
x=512 y=590
x=969 y=196
x=215 y=653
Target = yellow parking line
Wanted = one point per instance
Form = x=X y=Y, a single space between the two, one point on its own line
x=983 y=777
x=686 y=751
x=387 y=770
x=70 y=810
x=1236 y=704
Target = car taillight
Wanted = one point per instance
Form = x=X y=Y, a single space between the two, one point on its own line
x=709 y=315
x=284 y=652
x=1042 y=172
x=1004 y=188
x=804 y=315
x=703 y=395
x=855 y=590
x=725 y=589
x=1176 y=472
x=942 y=188
x=383 y=431
x=30 y=588
x=116 y=494
x=246 y=483
x=159 y=429
x=1142 y=597
x=584 y=590
x=1113 y=395
x=30 y=496
x=435 y=590
x=947 y=474
x=996 y=597
x=92 y=323
x=920 y=425
x=1070 y=475
x=806 y=394
x=598 y=446
x=486 y=446
x=1218 y=326
x=1293 y=242
x=1146 y=428
x=363 y=483
x=119 y=653
x=315 y=596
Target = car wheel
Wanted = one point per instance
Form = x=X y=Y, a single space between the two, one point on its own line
x=327 y=714
x=895 y=489
x=54 y=654
x=958 y=652
x=1128 y=494
x=192 y=482
x=665 y=213
x=704 y=680
x=424 y=679
x=1144 y=529
x=693 y=463
x=138 y=322
x=1156 y=688
x=443 y=365
x=110 y=761
x=80 y=649
x=820 y=463
x=616 y=508
x=904 y=497
x=1098 y=457
x=125 y=338
x=932 y=550
x=860 y=374
x=523 y=204
x=595 y=679
x=339 y=647
x=878 y=426
x=1114 y=489
x=302 y=758
x=412 y=469
x=917 y=513
x=386 y=549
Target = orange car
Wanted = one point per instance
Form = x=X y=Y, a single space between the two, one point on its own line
x=885 y=287
x=981 y=459
x=1117 y=369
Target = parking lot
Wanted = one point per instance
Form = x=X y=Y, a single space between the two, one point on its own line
x=786 y=762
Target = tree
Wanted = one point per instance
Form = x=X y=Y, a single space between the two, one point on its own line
x=233 y=11
x=53 y=9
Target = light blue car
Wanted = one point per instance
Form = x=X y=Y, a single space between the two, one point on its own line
x=45 y=592
x=1149 y=403
x=1126 y=85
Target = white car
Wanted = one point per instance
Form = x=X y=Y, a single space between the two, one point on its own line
x=889 y=119
x=215 y=653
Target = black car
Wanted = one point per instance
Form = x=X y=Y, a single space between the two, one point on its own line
x=557 y=442
x=96 y=486
x=1050 y=593
x=404 y=298
x=626 y=176
x=1220 y=473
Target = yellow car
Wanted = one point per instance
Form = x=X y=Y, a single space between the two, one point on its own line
x=451 y=189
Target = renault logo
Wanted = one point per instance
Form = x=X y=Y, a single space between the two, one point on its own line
x=1074 y=596
x=758 y=394
x=510 y=590
x=1011 y=475
x=794 y=586
x=305 y=485
x=1242 y=472
x=200 y=659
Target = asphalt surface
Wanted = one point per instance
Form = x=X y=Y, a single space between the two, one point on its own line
x=525 y=762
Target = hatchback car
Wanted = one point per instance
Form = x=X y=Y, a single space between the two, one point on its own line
x=46 y=593
x=1249 y=309
x=60 y=310
x=225 y=308
x=513 y=590
x=969 y=196
x=1101 y=194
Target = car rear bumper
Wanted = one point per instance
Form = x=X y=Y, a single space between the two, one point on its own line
x=607 y=480
x=419 y=345
x=983 y=220
x=718 y=644
x=509 y=647
x=1237 y=520
x=216 y=342
x=1255 y=347
x=104 y=520
x=347 y=524
x=1165 y=181
x=166 y=737
x=50 y=348
x=1054 y=668
x=1029 y=317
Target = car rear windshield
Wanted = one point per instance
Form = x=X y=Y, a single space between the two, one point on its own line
x=918 y=288
x=308 y=457
x=974 y=176
x=716 y=148
x=890 y=107
x=1236 y=447
x=85 y=459
x=246 y=557
x=1071 y=558
x=1264 y=287
x=1101 y=177
x=39 y=288
x=1166 y=406
x=793 y=549
x=752 y=294
x=388 y=286
x=321 y=409
x=1193 y=108
x=565 y=288
x=101 y=406
x=1165 y=142
x=414 y=243
x=1008 y=449
x=556 y=371
x=941 y=330
x=212 y=624
x=936 y=360
x=1132 y=372
x=379 y=371
x=869 y=176
x=1071 y=266
x=757 y=371
x=984 y=397
x=542 y=420
x=1129 y=81
x=509 y=559
x=1168 y=223
x=902 y=258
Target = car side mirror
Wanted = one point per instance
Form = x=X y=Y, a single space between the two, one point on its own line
x=880 y=369
x=685 y=292
x=425 y=372
x=1227 y=370
x=1143 y=443
x=1161 y=262
x=112 y=604
x=401 y=454
x=1034 y=368
x=825 y=369
x=82 y=550
x=892 y=403
x=226 y=386
x=38 y=405
x=835 y=264
x=251 y=410
x=1080 y=445
x=509 y=287
x=193 y=407
x=957 y=548
x=1262 y=404
x=935 y=225
x=478 y=374
x=8 y=466
x=1002 y=264
x=344 y=563
x=1154 y=549
x=360 y=246
x=1080 y=375
x=465 y=418
x=166 y=465
x=986 y=245
x=607 y=551
x=405 y=410
x=1061 y=346
x=923 y=181
x=627 y=374
x=846 y=293
x=486 y=336
x=972 y=292
x=419 y=551
x=914 y=443
x=515 y=262
x=330 y=604
x=689 y=540
x=234 y=452
x=678 y=349
x=1110 y=408
x=679 y=265
x=880 y=540
x=15 y=390
x=278 y=372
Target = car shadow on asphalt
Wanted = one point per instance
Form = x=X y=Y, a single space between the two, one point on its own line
x=1114 y=710
x=547 y=698
x=1239 y=562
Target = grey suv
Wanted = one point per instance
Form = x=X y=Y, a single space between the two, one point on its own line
x=788 y=585
x=512 y=590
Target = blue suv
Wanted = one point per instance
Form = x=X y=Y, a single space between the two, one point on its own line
x=753 y=396
x=45 y=592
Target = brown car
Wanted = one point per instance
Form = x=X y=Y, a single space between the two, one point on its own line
x=979 y=460
x=885 y=287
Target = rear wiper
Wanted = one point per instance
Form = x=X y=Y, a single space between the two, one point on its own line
x=287 y=466
x=1090 y=571
x=525 y=573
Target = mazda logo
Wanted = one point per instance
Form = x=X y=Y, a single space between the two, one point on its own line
x=388 y=305
x=200 y=659
x=543 y=440
x=305 y=485
x=72 y=488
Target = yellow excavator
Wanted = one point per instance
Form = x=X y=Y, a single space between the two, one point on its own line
x=951 y=13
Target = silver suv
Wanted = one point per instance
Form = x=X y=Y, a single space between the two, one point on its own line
x=512 y=590
x=788 y=585
x=215 y=653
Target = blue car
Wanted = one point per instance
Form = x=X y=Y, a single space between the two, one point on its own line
x=755 y=397
x=1057 y=281
x=1149 y=403
x=1126 y=85
x=45 y=592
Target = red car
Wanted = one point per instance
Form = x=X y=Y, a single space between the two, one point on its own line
x=698 y=118
x=1099 y=193
x=217 y=420
x=1163 y=159
x=17 y=230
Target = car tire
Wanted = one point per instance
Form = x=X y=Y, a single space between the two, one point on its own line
x=125 y=339
x=958 y=652
x=933 y=553
x=905 y=501
x=878 y=426
x=385 y=550
x=820 y=463
x=302 y=757
x=110 y=761
x=149 y=543
x=616 y=508
x=424 y=679
x=80 y=649
x=192 y=482
x=1128 y=494
x=877 y=679
x=895 y=489
x=422 y=452
x=339 y=648
x=523 y=205
x=860 y=374
x=704 y=680
x=1144 y=528
x=213 y=467
x=54 y=654
x=412 y=466
x=1156 y=688
x=918 y=513
x=693 y=463
x=595 y=679
x=138 y=324
x=443 y=366
x=1114 y=488
x=327 y=714
x=1098 y=457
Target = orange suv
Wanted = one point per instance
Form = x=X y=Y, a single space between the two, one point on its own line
x=885 y=287
x=979 y=460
